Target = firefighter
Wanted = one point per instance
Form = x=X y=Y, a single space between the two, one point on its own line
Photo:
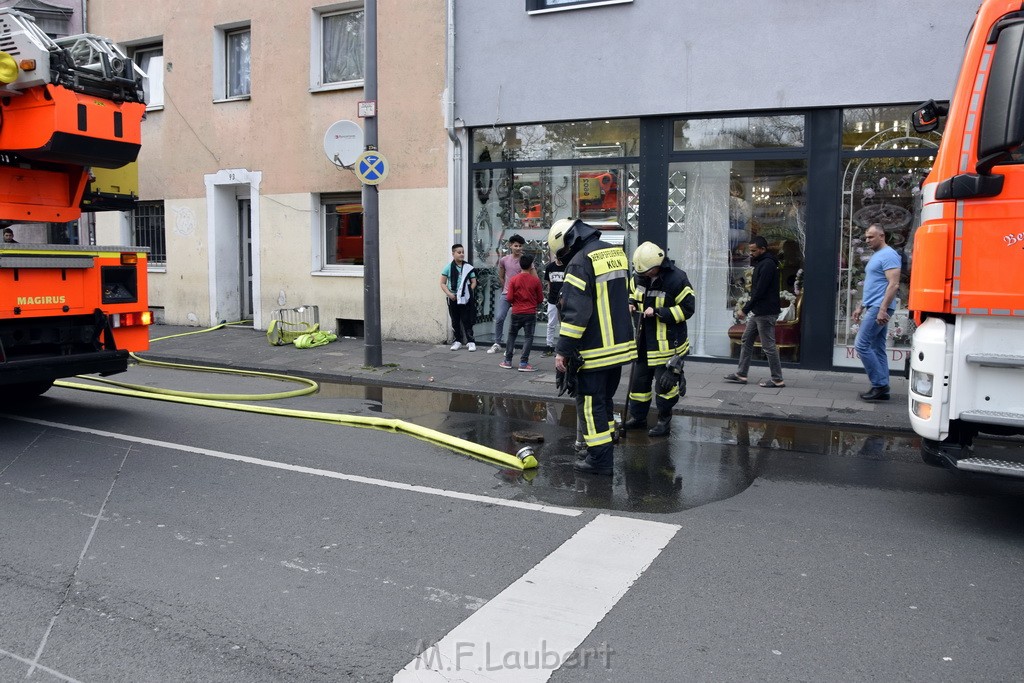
x=595 y=331
x=665 y=300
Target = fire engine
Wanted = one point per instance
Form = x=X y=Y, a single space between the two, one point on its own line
x=967 y=272
x=70 y=108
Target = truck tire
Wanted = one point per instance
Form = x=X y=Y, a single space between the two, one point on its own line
x=15 y=393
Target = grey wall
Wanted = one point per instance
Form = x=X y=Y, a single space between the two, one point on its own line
x=680 y=56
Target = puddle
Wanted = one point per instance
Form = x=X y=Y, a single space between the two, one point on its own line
x=703 y=460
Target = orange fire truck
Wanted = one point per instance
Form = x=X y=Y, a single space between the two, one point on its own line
x=967 y=273
x=69 y=108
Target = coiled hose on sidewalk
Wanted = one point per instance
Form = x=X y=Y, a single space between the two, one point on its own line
x=227 y=402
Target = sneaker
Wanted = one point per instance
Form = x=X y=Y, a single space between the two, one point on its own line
x=504 y=364
x=456 y=346
x=494 y=349
x=526 y=367
x=548 y=352
x=471 y=346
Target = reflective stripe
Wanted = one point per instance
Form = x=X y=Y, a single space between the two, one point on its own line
x=571 y=331
x=588 y=415
x=611 y=348
x=614 y=275
x=598 y=439
x=672 y=393
x=604 y=315
x=642 y=398
x=575 y=282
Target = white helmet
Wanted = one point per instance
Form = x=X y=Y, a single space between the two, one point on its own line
x=557 y=236
x=648 y=255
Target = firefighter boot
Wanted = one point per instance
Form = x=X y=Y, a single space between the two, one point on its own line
x=663 y=427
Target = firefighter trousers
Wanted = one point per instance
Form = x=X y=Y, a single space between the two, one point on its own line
x=595 y=395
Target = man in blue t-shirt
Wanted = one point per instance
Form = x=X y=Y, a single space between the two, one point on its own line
x=881 y=282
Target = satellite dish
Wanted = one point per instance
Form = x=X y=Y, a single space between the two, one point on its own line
x=343 y=143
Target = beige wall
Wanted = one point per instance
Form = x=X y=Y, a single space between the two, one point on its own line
x=279 y=133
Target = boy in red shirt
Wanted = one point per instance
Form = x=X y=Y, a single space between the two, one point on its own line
x=525 y=294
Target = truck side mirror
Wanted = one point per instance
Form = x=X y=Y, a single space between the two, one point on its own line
x=1002 y=114
x=925 y=118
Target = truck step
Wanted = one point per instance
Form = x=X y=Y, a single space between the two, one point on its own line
x=993 y=417
x=991 y=466
x=996 y=360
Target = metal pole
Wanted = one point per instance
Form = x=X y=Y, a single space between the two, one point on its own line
x=371 y=211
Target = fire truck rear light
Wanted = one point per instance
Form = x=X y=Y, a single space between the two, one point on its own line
x=131 y=319
x=129 y=259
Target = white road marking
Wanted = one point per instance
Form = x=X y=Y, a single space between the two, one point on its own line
x=534 y=626
x=40 y=667
x=550 y=509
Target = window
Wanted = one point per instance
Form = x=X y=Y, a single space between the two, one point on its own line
x=151 y=60
x=342 y=230
x=236 y=61
x=231 y=62
x=147 y=227
x=541 y=6
x=337 y=45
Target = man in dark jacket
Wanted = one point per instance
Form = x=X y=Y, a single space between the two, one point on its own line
x=596 y=325
x=664 y=298
x=761 y=312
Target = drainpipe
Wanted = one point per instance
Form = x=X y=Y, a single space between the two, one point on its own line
x=449 y=115
x=85 y=22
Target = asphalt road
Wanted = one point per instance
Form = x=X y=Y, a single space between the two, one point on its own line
x=148 y=541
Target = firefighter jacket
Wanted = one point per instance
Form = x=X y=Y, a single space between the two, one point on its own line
x=595 y=306
x=672 y=297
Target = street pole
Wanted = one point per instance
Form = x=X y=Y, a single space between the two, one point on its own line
x=371 y=210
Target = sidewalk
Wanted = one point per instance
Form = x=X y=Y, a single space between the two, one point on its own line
x=817 y=397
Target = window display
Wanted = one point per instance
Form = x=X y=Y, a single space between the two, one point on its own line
x=885 y=190
x=716 y=207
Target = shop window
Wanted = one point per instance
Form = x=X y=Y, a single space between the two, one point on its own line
x=342 y=231
x=575 y=140
x=151 y=60
x=147 y=230
x=600 y=189
x=739 y=132
x=337 y=47
x=886 y=191
x=232 y=63
x=715 y=208
x=887 y=127
x=541 y=6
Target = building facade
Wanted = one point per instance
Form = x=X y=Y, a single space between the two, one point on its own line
x=243 y=210
x=699 y=126
x=694 y=126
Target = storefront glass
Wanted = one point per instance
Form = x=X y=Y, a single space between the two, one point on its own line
x=526 y=201
x=739 y=132
x=715 y=208
x=573 y=140
x=885 y=190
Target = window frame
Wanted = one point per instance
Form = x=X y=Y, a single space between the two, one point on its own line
x=151 y=85
x=319 y=235
x=157 y=253
x=543 y=6
x=222 y=34
x=316 y=46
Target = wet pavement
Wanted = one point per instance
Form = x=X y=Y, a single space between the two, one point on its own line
x=810 y=396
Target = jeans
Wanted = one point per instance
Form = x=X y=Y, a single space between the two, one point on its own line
x=501 y=308
x=762 y=326
x=870 y=346
x=553 y=325
x=527 y=322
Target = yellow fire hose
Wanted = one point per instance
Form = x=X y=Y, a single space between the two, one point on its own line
x=526 y=460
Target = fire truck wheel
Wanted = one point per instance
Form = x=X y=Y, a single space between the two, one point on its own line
x=14 y=393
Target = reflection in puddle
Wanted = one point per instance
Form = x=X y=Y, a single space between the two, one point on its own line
x=704 y=459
